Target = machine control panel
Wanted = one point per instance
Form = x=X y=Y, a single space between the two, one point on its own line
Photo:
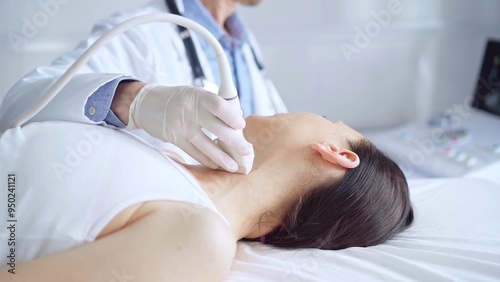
x=423 y=150
x=452 y=145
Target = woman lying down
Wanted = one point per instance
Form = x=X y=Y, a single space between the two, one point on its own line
x=93 y=204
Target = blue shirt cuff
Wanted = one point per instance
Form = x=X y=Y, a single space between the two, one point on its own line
x=98 y=106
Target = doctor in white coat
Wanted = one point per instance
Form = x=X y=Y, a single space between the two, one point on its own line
x=144 y=79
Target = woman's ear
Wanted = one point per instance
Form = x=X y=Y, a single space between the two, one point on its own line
x=334 y=155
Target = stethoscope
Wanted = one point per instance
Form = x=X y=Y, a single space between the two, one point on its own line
x=200 y=79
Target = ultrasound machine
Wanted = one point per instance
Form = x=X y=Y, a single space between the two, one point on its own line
x=464 y=141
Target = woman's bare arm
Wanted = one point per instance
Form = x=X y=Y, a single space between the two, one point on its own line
x=174 y=242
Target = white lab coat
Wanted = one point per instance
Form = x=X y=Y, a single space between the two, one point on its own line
x=152 y=53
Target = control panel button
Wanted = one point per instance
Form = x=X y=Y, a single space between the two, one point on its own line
x=405 y=136
x=460 y=156
x=449 y=152
x=471 y=161
x=496 y=148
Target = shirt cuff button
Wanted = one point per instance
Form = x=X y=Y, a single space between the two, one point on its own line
x=92 y=111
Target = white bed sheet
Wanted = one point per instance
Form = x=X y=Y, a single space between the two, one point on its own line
x=455 y=237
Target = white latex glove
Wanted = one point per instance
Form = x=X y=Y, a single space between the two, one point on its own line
x=177 y=115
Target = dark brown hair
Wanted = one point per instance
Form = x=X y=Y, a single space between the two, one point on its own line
x=369 y=205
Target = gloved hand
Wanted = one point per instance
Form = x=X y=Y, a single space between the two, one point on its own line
x=177 y=115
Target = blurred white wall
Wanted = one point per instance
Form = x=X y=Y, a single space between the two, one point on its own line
x=48 y=29
x=422 y=60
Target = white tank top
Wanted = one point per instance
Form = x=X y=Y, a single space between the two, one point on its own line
x=72 y=179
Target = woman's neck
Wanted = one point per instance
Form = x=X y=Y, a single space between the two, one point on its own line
x=245 y=200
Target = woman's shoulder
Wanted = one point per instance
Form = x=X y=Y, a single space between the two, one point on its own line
x=190 y=213
x=188 y=232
